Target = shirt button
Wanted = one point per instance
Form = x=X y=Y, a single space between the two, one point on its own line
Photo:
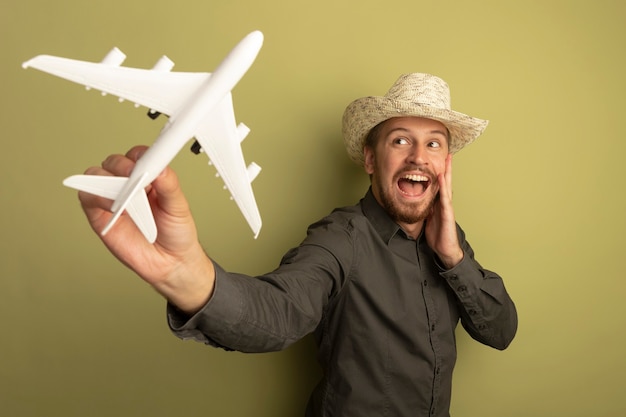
x=462 y=288
x=472 y=312
x=432 y=327
x=425 y=283
x=454 y=277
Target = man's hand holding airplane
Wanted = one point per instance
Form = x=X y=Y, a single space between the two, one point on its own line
x=175 y=264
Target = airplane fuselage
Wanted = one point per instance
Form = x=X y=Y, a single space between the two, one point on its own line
x=198 y=105
x=181 y=126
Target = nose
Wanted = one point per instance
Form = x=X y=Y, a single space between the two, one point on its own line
x=417 y=155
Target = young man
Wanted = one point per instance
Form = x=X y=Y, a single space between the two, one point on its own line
x=382 y=284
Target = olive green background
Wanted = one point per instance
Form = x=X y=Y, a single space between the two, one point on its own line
x=540 y=194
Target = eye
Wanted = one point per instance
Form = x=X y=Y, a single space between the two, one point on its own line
x=401 y=141
x=434 y=144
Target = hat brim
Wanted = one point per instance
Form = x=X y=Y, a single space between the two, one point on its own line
x=365 y=113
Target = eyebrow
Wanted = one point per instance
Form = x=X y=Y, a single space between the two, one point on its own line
x=404 y=129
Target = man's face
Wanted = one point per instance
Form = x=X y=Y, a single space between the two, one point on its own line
x=404 y=162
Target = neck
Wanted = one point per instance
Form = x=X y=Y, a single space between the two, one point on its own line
x=413 y=230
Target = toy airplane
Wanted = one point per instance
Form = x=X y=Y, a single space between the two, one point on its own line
x=198 y=105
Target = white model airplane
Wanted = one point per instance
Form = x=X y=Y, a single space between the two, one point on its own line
x=198 y=105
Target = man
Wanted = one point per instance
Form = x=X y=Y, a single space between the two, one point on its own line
x=381 y=285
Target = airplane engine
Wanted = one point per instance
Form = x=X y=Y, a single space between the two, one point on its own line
x=242 y=131
x=164 y=64
x=115 y=58
x=253 y=171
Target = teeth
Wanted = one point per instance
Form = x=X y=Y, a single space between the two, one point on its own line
x=416 y=178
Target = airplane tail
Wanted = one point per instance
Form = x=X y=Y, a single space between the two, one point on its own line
x=129 y=197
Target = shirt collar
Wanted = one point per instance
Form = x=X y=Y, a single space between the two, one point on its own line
x=378 y=217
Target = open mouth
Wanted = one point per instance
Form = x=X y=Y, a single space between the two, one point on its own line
x=413 y=185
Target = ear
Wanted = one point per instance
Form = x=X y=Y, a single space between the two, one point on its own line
x=368 y=157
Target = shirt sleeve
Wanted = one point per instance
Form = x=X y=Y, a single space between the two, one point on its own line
x=268 y=312
x=488 y=313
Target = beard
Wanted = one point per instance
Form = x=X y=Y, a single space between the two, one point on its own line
x=403 y=212
x=406 y=213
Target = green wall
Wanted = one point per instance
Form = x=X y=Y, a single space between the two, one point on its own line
x=539 y=195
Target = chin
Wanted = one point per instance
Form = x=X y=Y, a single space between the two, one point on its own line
x=408 y=213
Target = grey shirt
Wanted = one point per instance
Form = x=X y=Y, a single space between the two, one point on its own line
x=382 y=310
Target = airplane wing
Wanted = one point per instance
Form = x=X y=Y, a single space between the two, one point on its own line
x=159 y=90
x=220 y=138
x=138 y=206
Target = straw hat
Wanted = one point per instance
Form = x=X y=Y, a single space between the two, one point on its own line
x=420 y=95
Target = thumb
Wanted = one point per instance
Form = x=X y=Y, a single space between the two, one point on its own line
x=170 y=197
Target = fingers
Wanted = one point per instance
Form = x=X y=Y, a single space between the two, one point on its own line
x=442 y=208
x=165 y=188
x=117 y=164
x=441 y=230
x=136 y=152
x=120 y=165
x=449 y=174
x=113 y=165
x=97 y=171
x=445 y=180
